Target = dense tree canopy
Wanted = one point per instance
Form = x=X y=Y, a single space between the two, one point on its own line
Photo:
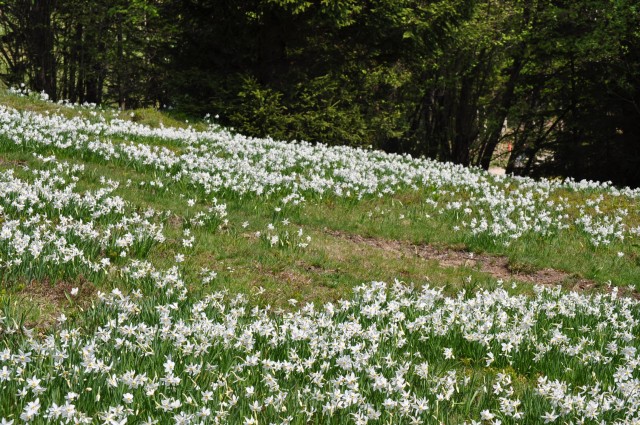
x=556 y=81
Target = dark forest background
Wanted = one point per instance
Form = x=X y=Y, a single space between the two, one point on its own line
x=555 y=81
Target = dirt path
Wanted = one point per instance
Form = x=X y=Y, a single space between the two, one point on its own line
x=494 y=265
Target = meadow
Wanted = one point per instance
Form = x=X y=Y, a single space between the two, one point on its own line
x=158 y=271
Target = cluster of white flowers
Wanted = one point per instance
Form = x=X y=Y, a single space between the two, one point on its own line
x=23 y=91
x=154 y=352
x=47 y=228
x=506 y=208
x=391 y=353
x=279 y=236
x=213 y=217
x=218 y=162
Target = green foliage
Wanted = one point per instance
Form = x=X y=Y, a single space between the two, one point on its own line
x=328 y=113
x=323 y=112
x=260 y=111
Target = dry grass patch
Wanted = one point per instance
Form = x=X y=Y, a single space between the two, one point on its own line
x=39 y=303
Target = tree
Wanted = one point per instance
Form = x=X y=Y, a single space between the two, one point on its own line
x=28 y=43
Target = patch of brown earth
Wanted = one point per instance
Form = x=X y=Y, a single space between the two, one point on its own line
x=298 y=285
x=497 y=266
x=175 y=220
x=52 y=298
x=60 y=292
x=13 y=163
x=315 y=269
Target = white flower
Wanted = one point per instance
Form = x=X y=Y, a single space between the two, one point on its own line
x=31 y=410
x=486 y=415
x=448 y=353
x=550 y=417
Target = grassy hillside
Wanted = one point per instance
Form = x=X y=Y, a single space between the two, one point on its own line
x=181 y=272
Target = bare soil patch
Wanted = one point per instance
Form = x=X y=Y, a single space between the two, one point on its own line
x=13 y=163
x=497 y=266
x=60 y=292
x=51 y=298
x=303 y=286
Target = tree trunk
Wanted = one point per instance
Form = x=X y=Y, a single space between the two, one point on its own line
x=465 y=122
x=82 y=66
x=41 y=47
x=502 y=110
x=120 y=66
x=74 y=60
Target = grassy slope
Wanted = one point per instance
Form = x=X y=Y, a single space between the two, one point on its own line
x=332 y=264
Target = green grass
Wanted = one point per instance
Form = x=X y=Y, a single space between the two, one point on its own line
x=148 y=116
x=332 y=265
x=351 y=242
